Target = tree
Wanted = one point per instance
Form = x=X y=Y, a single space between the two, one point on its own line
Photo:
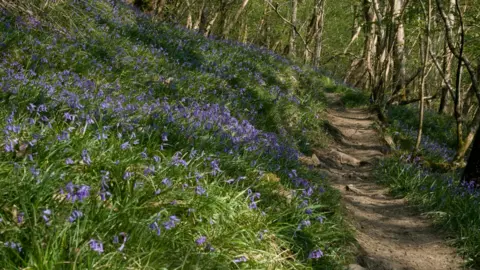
x=472 y=170
x=293 y=33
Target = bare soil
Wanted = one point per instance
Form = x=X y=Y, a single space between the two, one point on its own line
x=391 y=234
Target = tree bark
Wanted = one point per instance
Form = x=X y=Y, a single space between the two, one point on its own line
x=447 y=62
x=293 y=33
x=472 y=170
x=399 y=71
x=424 y=75
x=232 y=22
x=319 y=25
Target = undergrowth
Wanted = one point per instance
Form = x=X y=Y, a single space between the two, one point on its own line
x=129 y=143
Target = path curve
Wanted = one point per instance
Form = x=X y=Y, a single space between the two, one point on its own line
x=391 y=234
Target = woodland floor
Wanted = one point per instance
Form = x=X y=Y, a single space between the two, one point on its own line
x=391 y=234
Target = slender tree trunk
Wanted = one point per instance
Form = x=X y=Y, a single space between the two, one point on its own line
x=399 y=72
x=447 y=62
x=208 y=30
x=198 y=21
x=319 y=25
x=361 y=73
x=232 y=22
x=189 y=23
x=472 y=170
x=293 y=33
x=160 y=5
x=473 y=129
x=424 y=75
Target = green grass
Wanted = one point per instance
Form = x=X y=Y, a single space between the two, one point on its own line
x=177 y=138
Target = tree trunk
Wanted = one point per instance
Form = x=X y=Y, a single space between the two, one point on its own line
x=189 y=23
x=399 y=72
x=293 y=33
x=158 y=8
x=361 y=71
x=426 y=49
x=320 y=14
x=447 y=62
x=232 y=22
x=472 y=170
x=198 y=21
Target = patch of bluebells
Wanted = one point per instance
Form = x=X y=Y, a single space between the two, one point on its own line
x=429 y=145
x=14 y=246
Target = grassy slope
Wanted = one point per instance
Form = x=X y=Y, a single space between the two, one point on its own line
x=128 y=143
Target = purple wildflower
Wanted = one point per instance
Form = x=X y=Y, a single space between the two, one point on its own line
x=200 y=190
x=171 y=223
x=20 y=217
x=76 y=214
x=69 y=161
x=125 y=146
x=86 y=157
x=320 y=219
x=154 y=226
x=127 y=175
x=201 y=240
x=240 y=259
x=166 y=182
x=96 y=245
x=316 y=254
x=149 y=170
x=164 y=137
x=215 y=168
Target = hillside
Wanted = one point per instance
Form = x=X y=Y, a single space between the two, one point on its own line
x=129 y=143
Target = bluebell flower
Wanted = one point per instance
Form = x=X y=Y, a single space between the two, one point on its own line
x=171 y=223
x=46 y=214
x=316 y=254
x=166 y=182
x=20 y=217
x=320 y=219
x=96 y=245
x=240 y=259
x=86 y=157
x=200 y=190
x=125 y=146
x=76 y=214
x=69 y=161
x=149 y=170
x=201 y=240
x=154 y=226
x=215 y=168
x=127 y=175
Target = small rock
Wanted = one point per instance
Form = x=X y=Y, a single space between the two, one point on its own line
x=315 y=160
x=353 y=189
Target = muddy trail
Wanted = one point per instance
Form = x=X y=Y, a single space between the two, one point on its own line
x=391 y=234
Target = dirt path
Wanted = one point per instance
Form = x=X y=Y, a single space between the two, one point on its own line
x=390 y=233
